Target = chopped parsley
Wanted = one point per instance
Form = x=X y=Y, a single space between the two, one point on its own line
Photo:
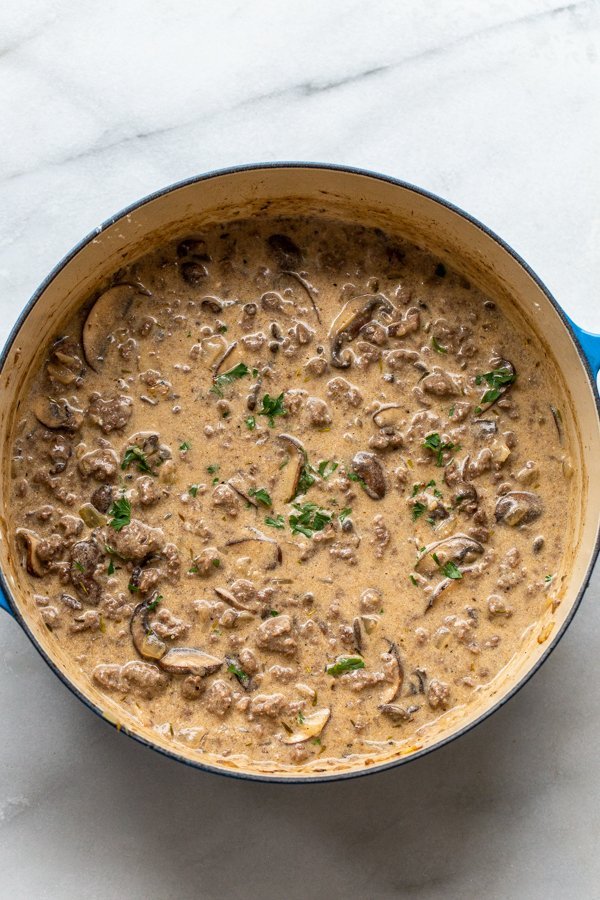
x=212 y=469
x=451 y=411
x=250 y=423
x=262 y=496
x=306 y=479
x=193 y=489
x=272 y=407
x=434 y=443
x=154 y=603
x=548 y=578
x=300 y=717
x=78 y=565
x=121 y=513
x=135 y=456
x=352 y=476
x=311 y=519
x=347 y=511
x=413 y=580
x=418 y=510
x=241 y=676
x=496 y=380
x=222 y=329
x=273 y=613
x=216 y=563
x=221 y=381
x=275 y=522
x=111 y=568
x=345 y=664
x=326 y=468
x=185 y=446
x=437 y=346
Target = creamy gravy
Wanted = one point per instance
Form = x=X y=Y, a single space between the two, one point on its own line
x=289 y=490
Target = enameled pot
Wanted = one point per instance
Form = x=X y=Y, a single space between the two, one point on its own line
x=370 y=199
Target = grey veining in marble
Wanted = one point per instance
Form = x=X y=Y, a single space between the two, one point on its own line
x=495 y=106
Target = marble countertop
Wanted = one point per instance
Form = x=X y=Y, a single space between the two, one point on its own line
x=495 y=106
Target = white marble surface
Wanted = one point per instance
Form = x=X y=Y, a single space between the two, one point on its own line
x=494 y=105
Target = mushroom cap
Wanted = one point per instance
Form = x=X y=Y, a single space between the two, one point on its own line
x=518 y=508
x=370 y=471
x=189 y=661
x=311 y=727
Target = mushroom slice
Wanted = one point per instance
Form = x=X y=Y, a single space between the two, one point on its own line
x=229 y=597
x=287 y=487
x=457 y=548
x=219 y=360
x=311 y=727
x=145 y=640
x=355 y=314
x=381 y=419
x=397 y=713
x=30 y=541
x=237 y=484
x=370 y=471
x=189 y=661
x=276 y=556
x=57 y=413
x=357 y=632
x=518 y=508
x=391 y=692
x=308 y=287
x=107 y=313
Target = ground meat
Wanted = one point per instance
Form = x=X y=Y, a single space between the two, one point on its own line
x=381 y=536
x=340 y=389
x=254 y=342
x=482 y=463
x=71 y=526
x=276 y=635
x=316 y=366
x=50 y=547
x=282 y=673
x=497 y=606
x=102 y=498
x=116 y=608
x=50 y=616
x=148 y=490
x=167 y=625
x=267 y=705
x=193 y=687
x=219 y=697
x=206 y=562
x=110 y=413
x=294 y=400
x=142 y=678
x=460 y=410
x=440 y=383
x=397 y=359
x=135 y=541
x=87 y=621
x=511 y=572
x=361 y=679
x=387 y=438
x=225 y=498
x=409 y=323
x=248 y=661
x=438 y=694
x=423 y=423
x=101 y=465
x=318 y=412
x=59 y=453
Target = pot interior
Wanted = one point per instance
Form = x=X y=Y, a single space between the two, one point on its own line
x=356 y=197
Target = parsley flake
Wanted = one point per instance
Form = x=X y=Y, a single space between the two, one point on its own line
x=275 y=522
x=137 y=457
x=262 y=496
x=311 y=519
x=121 y=513
x=434 y=443
x=272 y=407
x=227 y=378
x=345 y=664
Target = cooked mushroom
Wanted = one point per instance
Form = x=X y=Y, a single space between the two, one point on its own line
x=287 y=486
x=457 y=548
x=251 y=606
x=391 y=692
x=486 y=426
x=224 y=355
x=277 y=555
x=57 y=413
x=370 y=471
x=309 y=288
x=397 y=713
x=189 y=661
x=30 y=541
x=381 y=416
x=357 y=632
x=107 y=313
x=518 y=508
x=85 y=556
x=349 y=321
x=556 y=415
x=238 y=484
x=145 y=640
x=311 y=727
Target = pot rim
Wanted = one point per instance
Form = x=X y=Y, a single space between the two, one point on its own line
x=551 y=645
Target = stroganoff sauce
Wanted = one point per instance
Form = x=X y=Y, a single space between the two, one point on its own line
x=289 y=490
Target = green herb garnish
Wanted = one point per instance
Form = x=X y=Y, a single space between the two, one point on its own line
x=418 y=510
x=352 y=476
x=451 y=570
x=250 y=423
x=212 y=469
x=241 y=676
x=496 y=379
x=312 y=518
x=216 y=563
x=434 y=443
x=272 y=407
x=413 y=579
x=221 y=381
x=275 y=522
x=78 y=565
x=154 y=603
x=193 y=489
x=345 y=664
x=347 y=511
x=548 y=578
x=326 y=468
x=437 y=346
x=121 y=513
x=262 y=496
x=111 y=568
x=185 y=446
x=273 y=613
x=135 y=456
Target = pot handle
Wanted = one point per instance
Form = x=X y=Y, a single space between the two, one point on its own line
x=590 y=344
x=4 y=604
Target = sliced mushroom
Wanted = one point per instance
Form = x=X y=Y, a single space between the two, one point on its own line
x=238 y=484
x=443 y=585
x=397 y=713
x=277 y=555
x=502 y=389
x=457 y=548
x=107 y=313
x=252 y=606
x=382 y=417
x=30 y=541
x=391 y=692
x=357 y=632
x=370 y=471
x=311 y=727
x=224 y=355
x=57 y=413
x=486 y=426
x=518 y=508
x=145 y=640
x=349 y=321
x=287 y=486
x=309 y=288
x=556 y=415
x=189 y=661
